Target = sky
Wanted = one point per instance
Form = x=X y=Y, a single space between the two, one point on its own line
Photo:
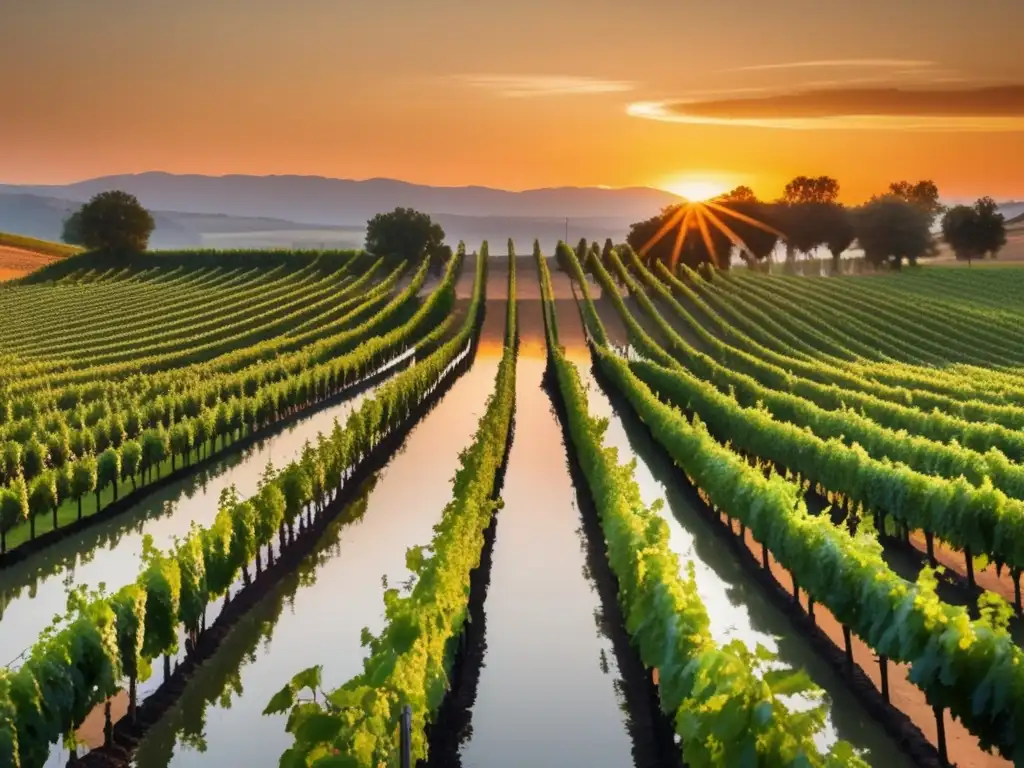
x=689 y=96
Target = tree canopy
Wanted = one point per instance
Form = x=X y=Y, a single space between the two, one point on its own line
x=890 y=229
x=111 y=221
x=404 y=233
x=924 y=194
x=974 y=231
x=807 y=189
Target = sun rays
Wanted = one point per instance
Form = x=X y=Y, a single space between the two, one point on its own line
x=702 y=217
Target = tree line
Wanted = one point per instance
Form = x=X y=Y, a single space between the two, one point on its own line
x=890 y=228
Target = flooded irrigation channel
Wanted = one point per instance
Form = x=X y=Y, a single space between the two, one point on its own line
x=317 y=615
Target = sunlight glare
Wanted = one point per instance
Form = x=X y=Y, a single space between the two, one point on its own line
x=695 y=189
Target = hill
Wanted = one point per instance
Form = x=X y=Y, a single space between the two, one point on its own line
x=20 y=255
x=42 y=215
x=345 y=202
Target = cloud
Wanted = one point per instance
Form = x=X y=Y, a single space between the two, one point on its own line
x=991 y=108
x=518 y=86
x=843 y=63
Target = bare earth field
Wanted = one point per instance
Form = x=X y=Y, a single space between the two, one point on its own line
x=15 y=262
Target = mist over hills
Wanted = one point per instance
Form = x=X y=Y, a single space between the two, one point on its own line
x=311 y=211
x=318 y=200
x=242 y=211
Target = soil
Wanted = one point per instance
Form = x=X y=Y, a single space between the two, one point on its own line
x=17 y=262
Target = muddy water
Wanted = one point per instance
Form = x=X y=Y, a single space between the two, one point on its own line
x=548 y=692
x=34 y=591
x=324 y=618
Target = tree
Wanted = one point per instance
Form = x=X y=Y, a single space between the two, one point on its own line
x=760 y=241
x=992 y=227
x=83 y=480
x=960 y=231
x=110 y=221
x=403 y=233
x=71 y=232
x=974 y=232
x=13 y=509
x=694 y=250
x=108 y=470
x=837 y=229
x=42 y=498
x=740 y=194
x=924 y=194
x=807 y=189
x=130 y=461
x=890 y=229
x=33 y=458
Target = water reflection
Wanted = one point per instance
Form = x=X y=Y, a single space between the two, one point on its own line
x=34 y=591
x=544 y=698
x=736 y=604
x=219 y=683
x=344 y=594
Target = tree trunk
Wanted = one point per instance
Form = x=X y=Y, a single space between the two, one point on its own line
x=883 y=667
x=133 y=483
x=132 y=695
x=1016 y=589
x=929 y=539
x=848 y=641
x=940 y=723
x=259 y=561
x=764 y=556
x=970 y=567
x=108 y=725
x=167 y=667
x=810 y=609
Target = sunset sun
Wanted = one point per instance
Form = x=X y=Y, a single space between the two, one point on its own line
x=695 y=188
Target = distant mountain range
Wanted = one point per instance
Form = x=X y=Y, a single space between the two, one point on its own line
x=312 y=211
x=320 y=201
x=226 y=211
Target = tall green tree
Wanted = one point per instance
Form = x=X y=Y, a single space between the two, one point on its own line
x=974 y=232
x=890 y=230
x=403 y=233
x=112 y=221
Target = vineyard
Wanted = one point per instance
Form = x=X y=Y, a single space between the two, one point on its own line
x=323 y=508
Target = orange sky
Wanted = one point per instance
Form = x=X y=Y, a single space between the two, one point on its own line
x=513 y=95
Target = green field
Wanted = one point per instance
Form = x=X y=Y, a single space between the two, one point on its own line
x=605 y=512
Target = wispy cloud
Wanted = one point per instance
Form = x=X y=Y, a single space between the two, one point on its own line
x=519 y=86
x=994 y=108
x=841 y=63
